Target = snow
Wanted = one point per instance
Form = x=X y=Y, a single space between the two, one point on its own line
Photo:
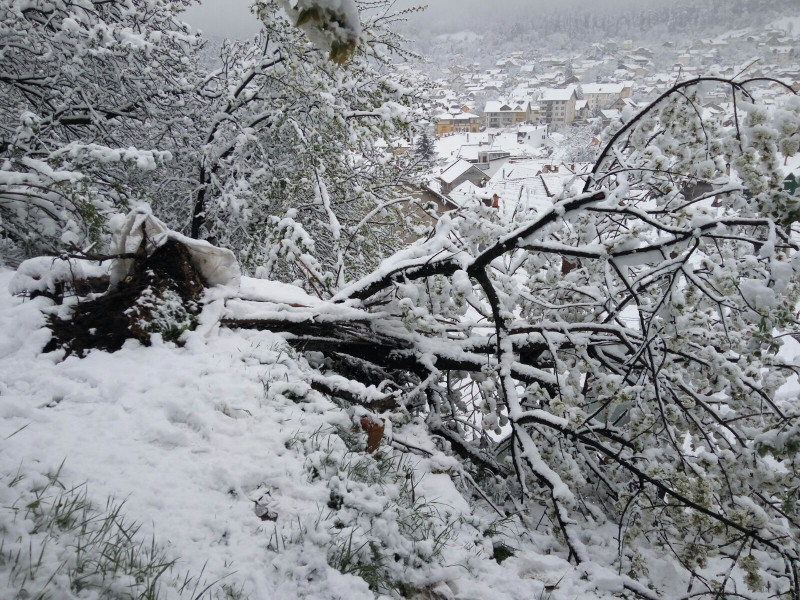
x=340 y=20
x=464 y=193
x=467 y=146
x=496 y=106
x=792 y=165
x=200 y=443
x=459 y=116
x=603 y=88
x=557 y=95
x=45 y=274
x=183 y=435
x=454 y=171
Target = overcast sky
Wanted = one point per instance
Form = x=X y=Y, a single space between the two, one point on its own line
x=232 y=18
x=224 y=18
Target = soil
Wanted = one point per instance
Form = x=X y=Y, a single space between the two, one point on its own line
x=106 y=322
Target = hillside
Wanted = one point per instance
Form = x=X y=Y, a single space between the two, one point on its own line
x=255 y=484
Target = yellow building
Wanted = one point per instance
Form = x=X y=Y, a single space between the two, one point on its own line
x=464 y=122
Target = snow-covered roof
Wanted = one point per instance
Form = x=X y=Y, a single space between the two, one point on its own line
x=468 y=146
x=461 y=116
x=466 y=191
x=557 y=95
x=455 y=170
x=530 y=128
x=603 y=88
x=499 y=106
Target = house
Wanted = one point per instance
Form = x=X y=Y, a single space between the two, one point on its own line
x=582 y=111
x=633 y=69
x=610 y=116
x=457 y=173
x=533 y=135
x=649 y=92
x=558 y=105
x=488 y=159
x=623 y=103
x=602 y=95
x=462 y=122
x=501 y=114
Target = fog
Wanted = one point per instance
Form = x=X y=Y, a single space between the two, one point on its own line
x=222 y=18
x=232 y=18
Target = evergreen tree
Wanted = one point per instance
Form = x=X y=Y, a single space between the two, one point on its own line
x=425 y=149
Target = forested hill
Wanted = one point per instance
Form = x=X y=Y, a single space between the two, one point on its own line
x=644 y=20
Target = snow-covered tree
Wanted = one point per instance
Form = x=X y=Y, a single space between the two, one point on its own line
x=425 y=148
x=91 y=94
x=613 y=367
x=611 y=370
x=297 y=171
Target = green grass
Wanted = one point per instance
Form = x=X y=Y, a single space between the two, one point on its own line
x=356 y=549
x=74 y=548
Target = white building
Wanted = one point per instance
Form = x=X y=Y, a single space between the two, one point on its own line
x=558 y=105
x=602 y=95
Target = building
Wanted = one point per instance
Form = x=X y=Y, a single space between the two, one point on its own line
x=501 y=114
x=558 y=105
x=602 y=95
x=456 y=174
x=533 y=135
x=582 y=111
x=463 y=122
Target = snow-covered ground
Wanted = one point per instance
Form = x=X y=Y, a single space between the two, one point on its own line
x=204 y=441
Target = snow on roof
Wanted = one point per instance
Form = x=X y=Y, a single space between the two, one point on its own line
x=501 y=106
x=461 y=116
x=455 y=170
x=557 y=95
x=468 y=146
x=530 y=128
x=467 y=191
x=603 y=88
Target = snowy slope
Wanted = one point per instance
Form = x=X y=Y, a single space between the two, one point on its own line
x=203 y=440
